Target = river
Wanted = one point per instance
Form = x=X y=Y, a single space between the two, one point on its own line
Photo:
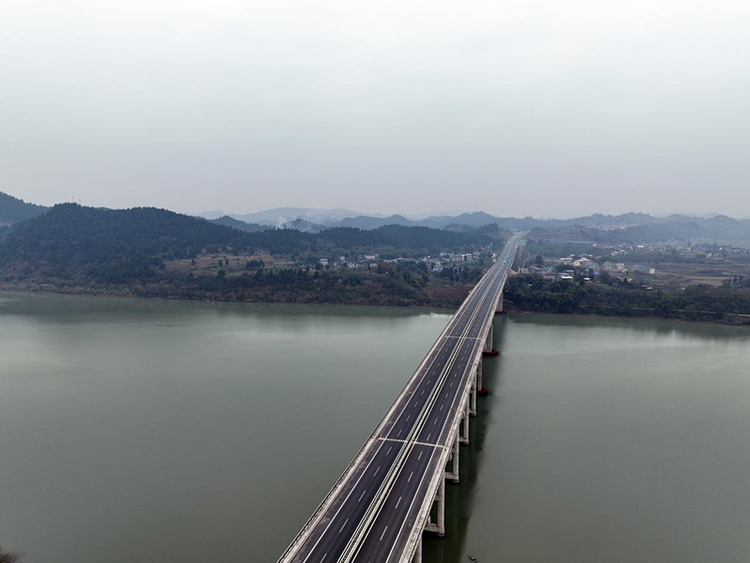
x=179 y=432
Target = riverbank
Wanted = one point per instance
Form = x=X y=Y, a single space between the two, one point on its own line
x=564 y=299
x=510 y=308
x=730 y=306
x=380 y=293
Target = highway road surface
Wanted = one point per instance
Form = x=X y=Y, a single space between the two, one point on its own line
x=377 y=509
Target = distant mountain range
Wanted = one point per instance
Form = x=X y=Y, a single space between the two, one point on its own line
x=280 y=216
x=316 y=219
x=640 y=227
x=637 y=227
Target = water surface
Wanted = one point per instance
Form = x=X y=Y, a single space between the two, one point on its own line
x=177 y=432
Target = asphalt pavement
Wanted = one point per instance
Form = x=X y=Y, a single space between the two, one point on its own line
x=374 y=507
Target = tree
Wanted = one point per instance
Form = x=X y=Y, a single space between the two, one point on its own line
x=539 y=260
x=6 y=557
x=664 y=304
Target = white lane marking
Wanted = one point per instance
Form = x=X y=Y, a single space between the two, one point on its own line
x=346 y=499
x=432 y=365
x=362 y=495
x=398 y=501
x=342 y=525
x=474 y=299
x=376 y=471
x=324 y=557
x=410 y=476
x=403 y=523
x=434 y=423
x=389 y=450
x=383 y=534
x=428 y=436
x=420 y=455
x=441 y=407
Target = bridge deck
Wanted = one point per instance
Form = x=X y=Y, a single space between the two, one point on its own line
x=377 y=509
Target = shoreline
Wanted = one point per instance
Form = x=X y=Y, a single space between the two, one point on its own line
x=516 y=310
x=510 y=307
x=97 y=292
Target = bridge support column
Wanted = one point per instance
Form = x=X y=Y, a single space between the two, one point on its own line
x=500 y=305
x=438 y=528
x=418 y=553
x=465 y=438
x=455 y=464
x=488 y=341
x=479 y=376
x=441 y=509
x=473 y=400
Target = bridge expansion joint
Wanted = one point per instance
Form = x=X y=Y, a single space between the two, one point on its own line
x=426 y=444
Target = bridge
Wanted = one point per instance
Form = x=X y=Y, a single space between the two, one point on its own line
x=377 y=510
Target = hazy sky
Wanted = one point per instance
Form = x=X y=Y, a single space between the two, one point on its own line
x=553 y=108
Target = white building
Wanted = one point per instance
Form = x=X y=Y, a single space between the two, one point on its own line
x=615 y=267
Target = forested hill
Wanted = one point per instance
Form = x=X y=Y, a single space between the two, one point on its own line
x=13 y=209
x=676 y=228
x=228 y=221
x=101 y=245
x=72 y=234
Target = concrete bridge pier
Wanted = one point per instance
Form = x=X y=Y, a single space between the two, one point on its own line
x=439 y=527
x=464 y=439
x=453 y=474
x=500 y=305
x=489 y=339
x=473 y=399
x=479 y=376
